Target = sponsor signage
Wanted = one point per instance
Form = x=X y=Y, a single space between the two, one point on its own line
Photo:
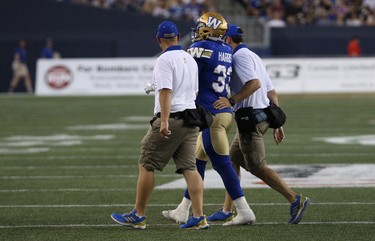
x=128 y=76
x=93 y=76
x=322 y=75
x=58 y=77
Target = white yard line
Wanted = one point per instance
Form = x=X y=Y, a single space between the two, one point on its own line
x=122 y=166
x=344 y=154
x=80 y=177
x=75 y=167
x=68 y=190
x=81 y=157
x=169 y=205
x=171 y=224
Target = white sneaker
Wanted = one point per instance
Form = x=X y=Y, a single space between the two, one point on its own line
x=177 y=215
x=242 y=218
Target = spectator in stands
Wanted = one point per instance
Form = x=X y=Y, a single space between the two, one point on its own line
x=193 y=10
x=352 y=17
x=341 y=7
x=161 y=9
x=148 y=6
x=370 y=21
x=295 y=9
x=295 y=12
x=309 y=17
x=277 y=6
x=326 y=4
x=209 y=6
x=354 y=47
x=340 y=19
x=324 y=19
x=366 y=15
x=276 y=20
x=20 y=69
x=258 y=8
x=177 y=9
x=291 y=20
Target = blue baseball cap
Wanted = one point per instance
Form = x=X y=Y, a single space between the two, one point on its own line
x=167 y=29
x=233 y=31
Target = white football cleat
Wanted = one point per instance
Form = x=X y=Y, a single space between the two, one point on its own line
x=177 y=215
x=242 y=218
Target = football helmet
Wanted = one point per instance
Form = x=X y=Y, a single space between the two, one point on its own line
x=210 y=25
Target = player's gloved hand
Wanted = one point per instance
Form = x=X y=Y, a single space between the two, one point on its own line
x=149 y=88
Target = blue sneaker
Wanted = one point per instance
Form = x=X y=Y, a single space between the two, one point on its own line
x=130 y=219
x=297 y=208
x=196 y=223
x=220 y=216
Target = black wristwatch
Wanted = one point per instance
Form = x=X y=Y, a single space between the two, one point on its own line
x=231 y=101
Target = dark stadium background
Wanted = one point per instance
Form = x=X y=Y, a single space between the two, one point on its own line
x=88 y=32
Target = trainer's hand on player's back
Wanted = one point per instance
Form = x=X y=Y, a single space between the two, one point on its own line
x=222 y=103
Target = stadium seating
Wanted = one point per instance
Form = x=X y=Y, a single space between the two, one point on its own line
x=287 y=12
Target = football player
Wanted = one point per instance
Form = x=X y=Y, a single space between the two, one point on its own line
x=214 y=59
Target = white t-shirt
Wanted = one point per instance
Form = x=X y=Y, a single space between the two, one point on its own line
x=248 y=66
x=176 y=70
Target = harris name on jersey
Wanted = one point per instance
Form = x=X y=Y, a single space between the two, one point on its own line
x=198 y=52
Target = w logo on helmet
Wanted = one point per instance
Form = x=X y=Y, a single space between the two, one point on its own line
x=210 y=26
x=214 y=22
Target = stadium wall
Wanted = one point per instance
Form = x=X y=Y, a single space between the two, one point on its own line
x=320 y=40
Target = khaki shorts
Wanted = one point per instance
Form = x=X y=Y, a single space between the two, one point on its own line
x=250 y=154
x=219 y=129
x=157 y=151
x=20 y=69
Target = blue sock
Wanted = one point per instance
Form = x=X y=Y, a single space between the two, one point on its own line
x=223 y=165
x=230 y=179
x=201 y=167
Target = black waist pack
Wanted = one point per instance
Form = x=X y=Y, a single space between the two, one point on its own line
x=275 y=115
x=245 y=120
x=198 y=117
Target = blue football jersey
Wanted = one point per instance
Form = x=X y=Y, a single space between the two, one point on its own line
x=214 y=61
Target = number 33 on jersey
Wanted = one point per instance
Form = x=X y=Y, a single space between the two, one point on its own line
x=214 y=59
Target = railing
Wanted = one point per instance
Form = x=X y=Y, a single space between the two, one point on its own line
x=257 y=33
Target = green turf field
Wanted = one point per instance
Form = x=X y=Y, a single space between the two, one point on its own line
x=67 y=163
